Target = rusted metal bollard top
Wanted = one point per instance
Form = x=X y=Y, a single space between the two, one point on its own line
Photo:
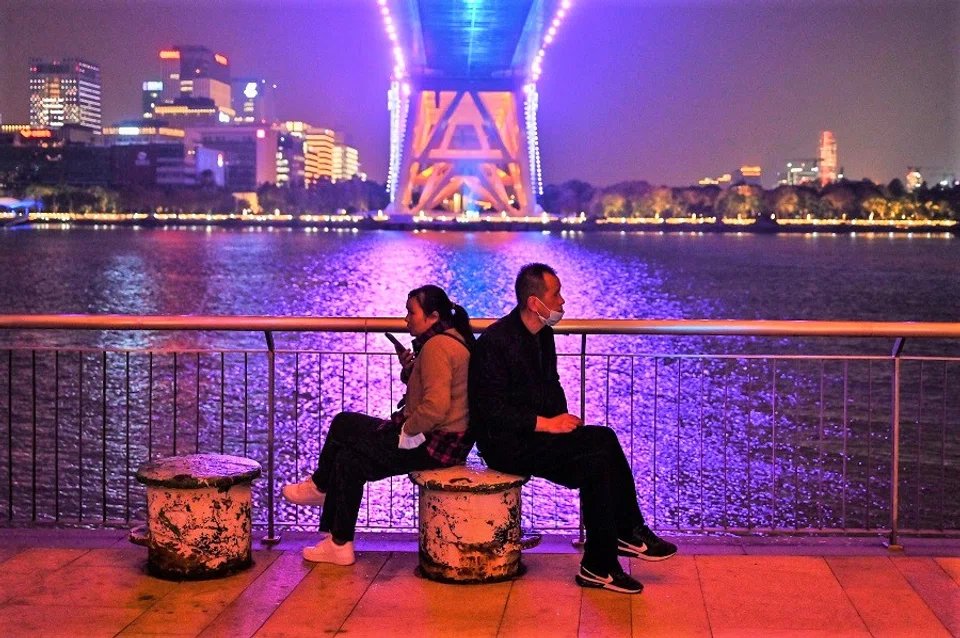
x=198 y=515
x=469 y=524
x=473 y=478
x=193 y=471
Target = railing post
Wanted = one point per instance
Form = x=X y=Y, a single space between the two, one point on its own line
x=271 y=537
x=582 y=535
x=893 y=543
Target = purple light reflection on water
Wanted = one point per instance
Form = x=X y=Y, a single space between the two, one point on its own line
x=716 y=460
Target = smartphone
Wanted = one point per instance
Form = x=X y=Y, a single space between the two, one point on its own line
x=399 y=347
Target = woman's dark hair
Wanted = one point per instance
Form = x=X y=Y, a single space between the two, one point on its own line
x=433 y=299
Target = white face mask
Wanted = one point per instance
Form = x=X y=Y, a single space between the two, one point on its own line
x=553 y=319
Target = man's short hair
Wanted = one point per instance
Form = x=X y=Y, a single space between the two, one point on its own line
x=530 y=281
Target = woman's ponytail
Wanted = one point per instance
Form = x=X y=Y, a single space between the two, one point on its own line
x=461 y=322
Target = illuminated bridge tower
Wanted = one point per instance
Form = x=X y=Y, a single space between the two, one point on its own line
x=463 y=103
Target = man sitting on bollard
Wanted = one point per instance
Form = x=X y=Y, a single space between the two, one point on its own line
x=518 y=413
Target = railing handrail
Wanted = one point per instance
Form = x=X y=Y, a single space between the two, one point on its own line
x=688 y=327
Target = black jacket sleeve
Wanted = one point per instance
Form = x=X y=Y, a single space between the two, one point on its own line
x=494 y=406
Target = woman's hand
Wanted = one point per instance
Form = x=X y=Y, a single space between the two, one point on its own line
x=406 y=359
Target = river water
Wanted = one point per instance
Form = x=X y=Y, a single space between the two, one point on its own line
x=733 y=440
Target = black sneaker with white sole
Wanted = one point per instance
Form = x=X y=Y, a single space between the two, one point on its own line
x=645 y=545
x=620 y=581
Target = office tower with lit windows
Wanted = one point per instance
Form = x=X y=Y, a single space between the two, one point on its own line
x=64 y=91
x=195 y=71
x=253 y=101
x=346 y=162
x=318 y=154
x=828 y=158
x=152 y=94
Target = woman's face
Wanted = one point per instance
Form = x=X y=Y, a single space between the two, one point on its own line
x=417 y=321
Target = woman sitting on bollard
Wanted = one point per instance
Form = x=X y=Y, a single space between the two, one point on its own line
x=429 y=432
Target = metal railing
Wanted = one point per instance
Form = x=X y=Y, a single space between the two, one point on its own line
x=736 y=442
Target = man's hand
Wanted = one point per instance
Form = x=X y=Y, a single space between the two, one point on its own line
x=406 y=358
x=560 y=424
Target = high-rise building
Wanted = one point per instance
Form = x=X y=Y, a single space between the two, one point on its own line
x=828 y=158
x=346 y=162
x=291 y=161
x=152 y=94
x=249 y=153
x=748 y=174
x=253 y=101
x=64 y=91
x=318 y=154
x=799 y=171
x=195 y=71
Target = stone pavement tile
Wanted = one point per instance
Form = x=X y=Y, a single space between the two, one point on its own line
x=95 y=586
x=56 y=620
x=951 y=566
x=192 y=605
x=672 y=602
x=8 y=552
x=546 y=601
x=324 y=598
x=884 y=599
x=131 y=557
x=605 y=613
x=747 y=595
x=398 y=603
x=938 y=590
x=245 y=615
x=40 y=559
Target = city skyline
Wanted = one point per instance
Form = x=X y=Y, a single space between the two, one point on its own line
x=671 y=102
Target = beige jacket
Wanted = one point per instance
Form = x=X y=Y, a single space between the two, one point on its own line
x=437 y=388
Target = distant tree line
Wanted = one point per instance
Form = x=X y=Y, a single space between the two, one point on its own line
x=841 y=200
x=324 y=197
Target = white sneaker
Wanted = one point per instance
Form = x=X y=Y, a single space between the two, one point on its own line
x=326 y=551
x=303 y=493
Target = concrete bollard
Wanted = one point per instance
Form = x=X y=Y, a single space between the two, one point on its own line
x=470 y=524
x=198 y=515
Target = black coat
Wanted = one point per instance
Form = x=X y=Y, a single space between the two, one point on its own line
x=513 y=380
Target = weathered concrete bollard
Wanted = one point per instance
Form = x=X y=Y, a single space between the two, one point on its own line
x=469 y=524
x=198 y=515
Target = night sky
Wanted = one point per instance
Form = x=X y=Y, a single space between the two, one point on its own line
x=664 y=90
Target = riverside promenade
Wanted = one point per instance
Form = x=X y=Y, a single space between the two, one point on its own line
x=80 y=582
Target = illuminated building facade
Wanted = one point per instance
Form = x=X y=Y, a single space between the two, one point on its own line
x=249 y=153
x=346 y=162
x=195 y=71
x=748 y=174
x=318 y=153
x=187 y=112
x=291 y=160
x=64 y=91
x=800 y=171
x=829 y=163
x=254 y=101
x=152 y=95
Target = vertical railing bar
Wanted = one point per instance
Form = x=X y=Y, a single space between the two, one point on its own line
x=606 y=397
x=343 y=382
x=126 y=473
x=796 y=481
x=246 y=400
x=33 y=471
x=56 y=434
x=319 y=400
x=633 y=423
x=943 y=451
x=679 y=428
x=749 y=431
x=223 y=399
x=272 y=537
x=150 y=407
x=843 y=458
x=726 y=445
x=820 y=453
x=656 y=399
x=197 y=417
x=918 y=523
x=103 y=440
x=773 y=450
x=703 y=365
x=366 y=378
x=80 y=437
x=582 y=535
x=894 y=542
x=869 y=440
x=296 y=424
x=175 y=383
x=10 y=434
